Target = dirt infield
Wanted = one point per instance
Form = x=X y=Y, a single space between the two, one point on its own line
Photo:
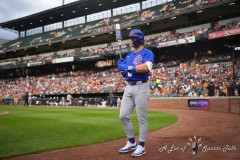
x=217 y=132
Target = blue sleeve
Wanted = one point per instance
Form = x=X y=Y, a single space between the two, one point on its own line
x=148 y=56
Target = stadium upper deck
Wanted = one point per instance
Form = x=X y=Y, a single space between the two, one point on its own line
x=68 y=37
x=65 y=12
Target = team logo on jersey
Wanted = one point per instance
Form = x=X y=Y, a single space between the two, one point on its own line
x=137 y=60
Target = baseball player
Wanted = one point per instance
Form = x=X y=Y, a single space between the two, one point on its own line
x=137 y=65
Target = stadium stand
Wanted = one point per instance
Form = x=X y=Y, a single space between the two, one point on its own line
x=188 y=57
x=106 y=25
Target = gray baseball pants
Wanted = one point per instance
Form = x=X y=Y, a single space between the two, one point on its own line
x=135 y=96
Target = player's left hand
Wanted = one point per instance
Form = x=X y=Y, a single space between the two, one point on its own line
x=121 y=65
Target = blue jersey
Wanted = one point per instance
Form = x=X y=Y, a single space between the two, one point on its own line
x=134 y=59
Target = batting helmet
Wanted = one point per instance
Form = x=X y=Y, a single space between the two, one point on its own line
x=140 y=37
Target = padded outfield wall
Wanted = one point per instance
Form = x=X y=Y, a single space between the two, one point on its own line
x=215 y=104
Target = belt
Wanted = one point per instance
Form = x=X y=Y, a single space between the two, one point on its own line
x=132 y=83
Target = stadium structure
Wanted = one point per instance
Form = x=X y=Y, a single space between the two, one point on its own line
x=80 y=59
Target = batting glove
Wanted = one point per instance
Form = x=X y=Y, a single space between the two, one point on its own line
x=121 y=60
x=121 y=65
x=124 y=73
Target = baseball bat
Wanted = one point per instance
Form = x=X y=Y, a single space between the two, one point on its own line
x=118 y=34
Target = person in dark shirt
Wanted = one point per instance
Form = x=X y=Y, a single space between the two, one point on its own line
x=211 y=89
x=231 y=89
x=26 y=99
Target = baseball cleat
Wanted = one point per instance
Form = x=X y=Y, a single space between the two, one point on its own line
x=129 y=146
x=139 y=151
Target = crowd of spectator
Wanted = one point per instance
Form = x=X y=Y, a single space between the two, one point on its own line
x=213 y=58
x=73 y=82
x=79 y=53
x=176 y=81
x=229 y=25
x=232 y=24
x=181 y=81
x=184 y=80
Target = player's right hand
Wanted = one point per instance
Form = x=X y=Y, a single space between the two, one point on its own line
x=122 y=67
x=124 y=73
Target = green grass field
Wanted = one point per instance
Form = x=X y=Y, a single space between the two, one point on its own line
x=36 y=129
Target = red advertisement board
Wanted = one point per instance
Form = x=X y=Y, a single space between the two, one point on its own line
x=219 y=34
x=214 y=35
x=231 y=32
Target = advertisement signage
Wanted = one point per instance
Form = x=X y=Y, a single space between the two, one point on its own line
x=226 y=33
x=176 y=42
x=62 y=60
x=198 y=103
x=37 y=63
